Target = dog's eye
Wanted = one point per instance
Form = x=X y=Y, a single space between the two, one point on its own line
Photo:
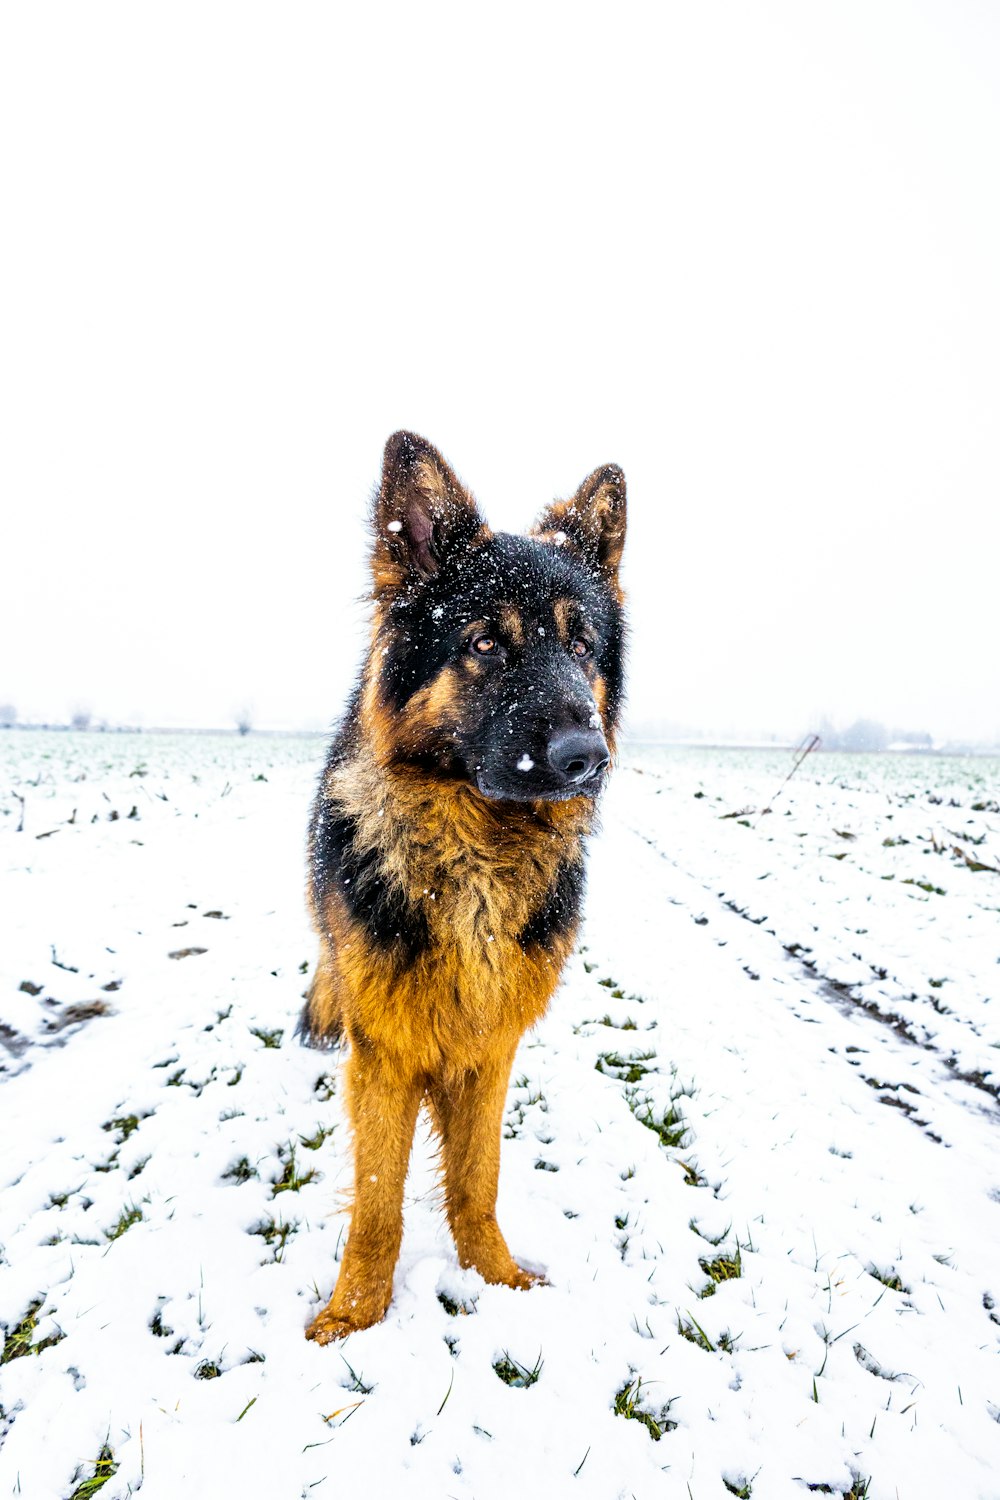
x=580 y=647
x=483 y=645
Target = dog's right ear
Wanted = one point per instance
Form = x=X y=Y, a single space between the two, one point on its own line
x=422 y=511
x=592 y=522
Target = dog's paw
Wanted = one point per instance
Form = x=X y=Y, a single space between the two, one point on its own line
x=327 y=1326
x=524 y=1279
x=334 y=1322
x=505 y=1271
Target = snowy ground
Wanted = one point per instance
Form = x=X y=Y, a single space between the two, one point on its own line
x=754 y=1146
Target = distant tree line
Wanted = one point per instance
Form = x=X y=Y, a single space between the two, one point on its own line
x=82 y=719
x=870 y=735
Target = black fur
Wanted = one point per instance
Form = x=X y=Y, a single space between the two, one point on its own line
x=533 y=688
x=309 y=1036
x=427 y=621
x=559 y=911
x=374 y=902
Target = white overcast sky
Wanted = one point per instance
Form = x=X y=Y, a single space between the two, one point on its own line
x=751 y=252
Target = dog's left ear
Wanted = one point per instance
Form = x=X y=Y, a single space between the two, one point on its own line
x=421 y=512
x=592 y=522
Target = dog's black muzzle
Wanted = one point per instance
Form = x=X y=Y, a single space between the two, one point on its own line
x=573 y=765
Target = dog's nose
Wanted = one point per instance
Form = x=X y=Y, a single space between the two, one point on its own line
x=578 y=754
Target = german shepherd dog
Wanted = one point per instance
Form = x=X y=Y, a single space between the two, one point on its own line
x=446 y=840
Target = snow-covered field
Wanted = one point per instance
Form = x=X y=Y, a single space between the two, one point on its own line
x=753 y=1145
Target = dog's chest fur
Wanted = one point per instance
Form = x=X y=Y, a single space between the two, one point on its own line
x=478 y=874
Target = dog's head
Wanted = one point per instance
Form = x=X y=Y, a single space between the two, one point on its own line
x=495 y=658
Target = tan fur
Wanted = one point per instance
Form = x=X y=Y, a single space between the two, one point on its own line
x=510 y=620
x=432 y=713
x=563 y=609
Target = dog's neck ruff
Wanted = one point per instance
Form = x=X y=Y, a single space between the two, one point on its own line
x=449 y=848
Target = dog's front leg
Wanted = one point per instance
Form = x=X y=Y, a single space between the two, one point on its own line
x=383 y=1103
x=468 y=1114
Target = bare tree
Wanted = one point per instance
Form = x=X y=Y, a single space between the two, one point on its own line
x=8 y=715
x=865 y=734
x=244 y=720
x=80 y=719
